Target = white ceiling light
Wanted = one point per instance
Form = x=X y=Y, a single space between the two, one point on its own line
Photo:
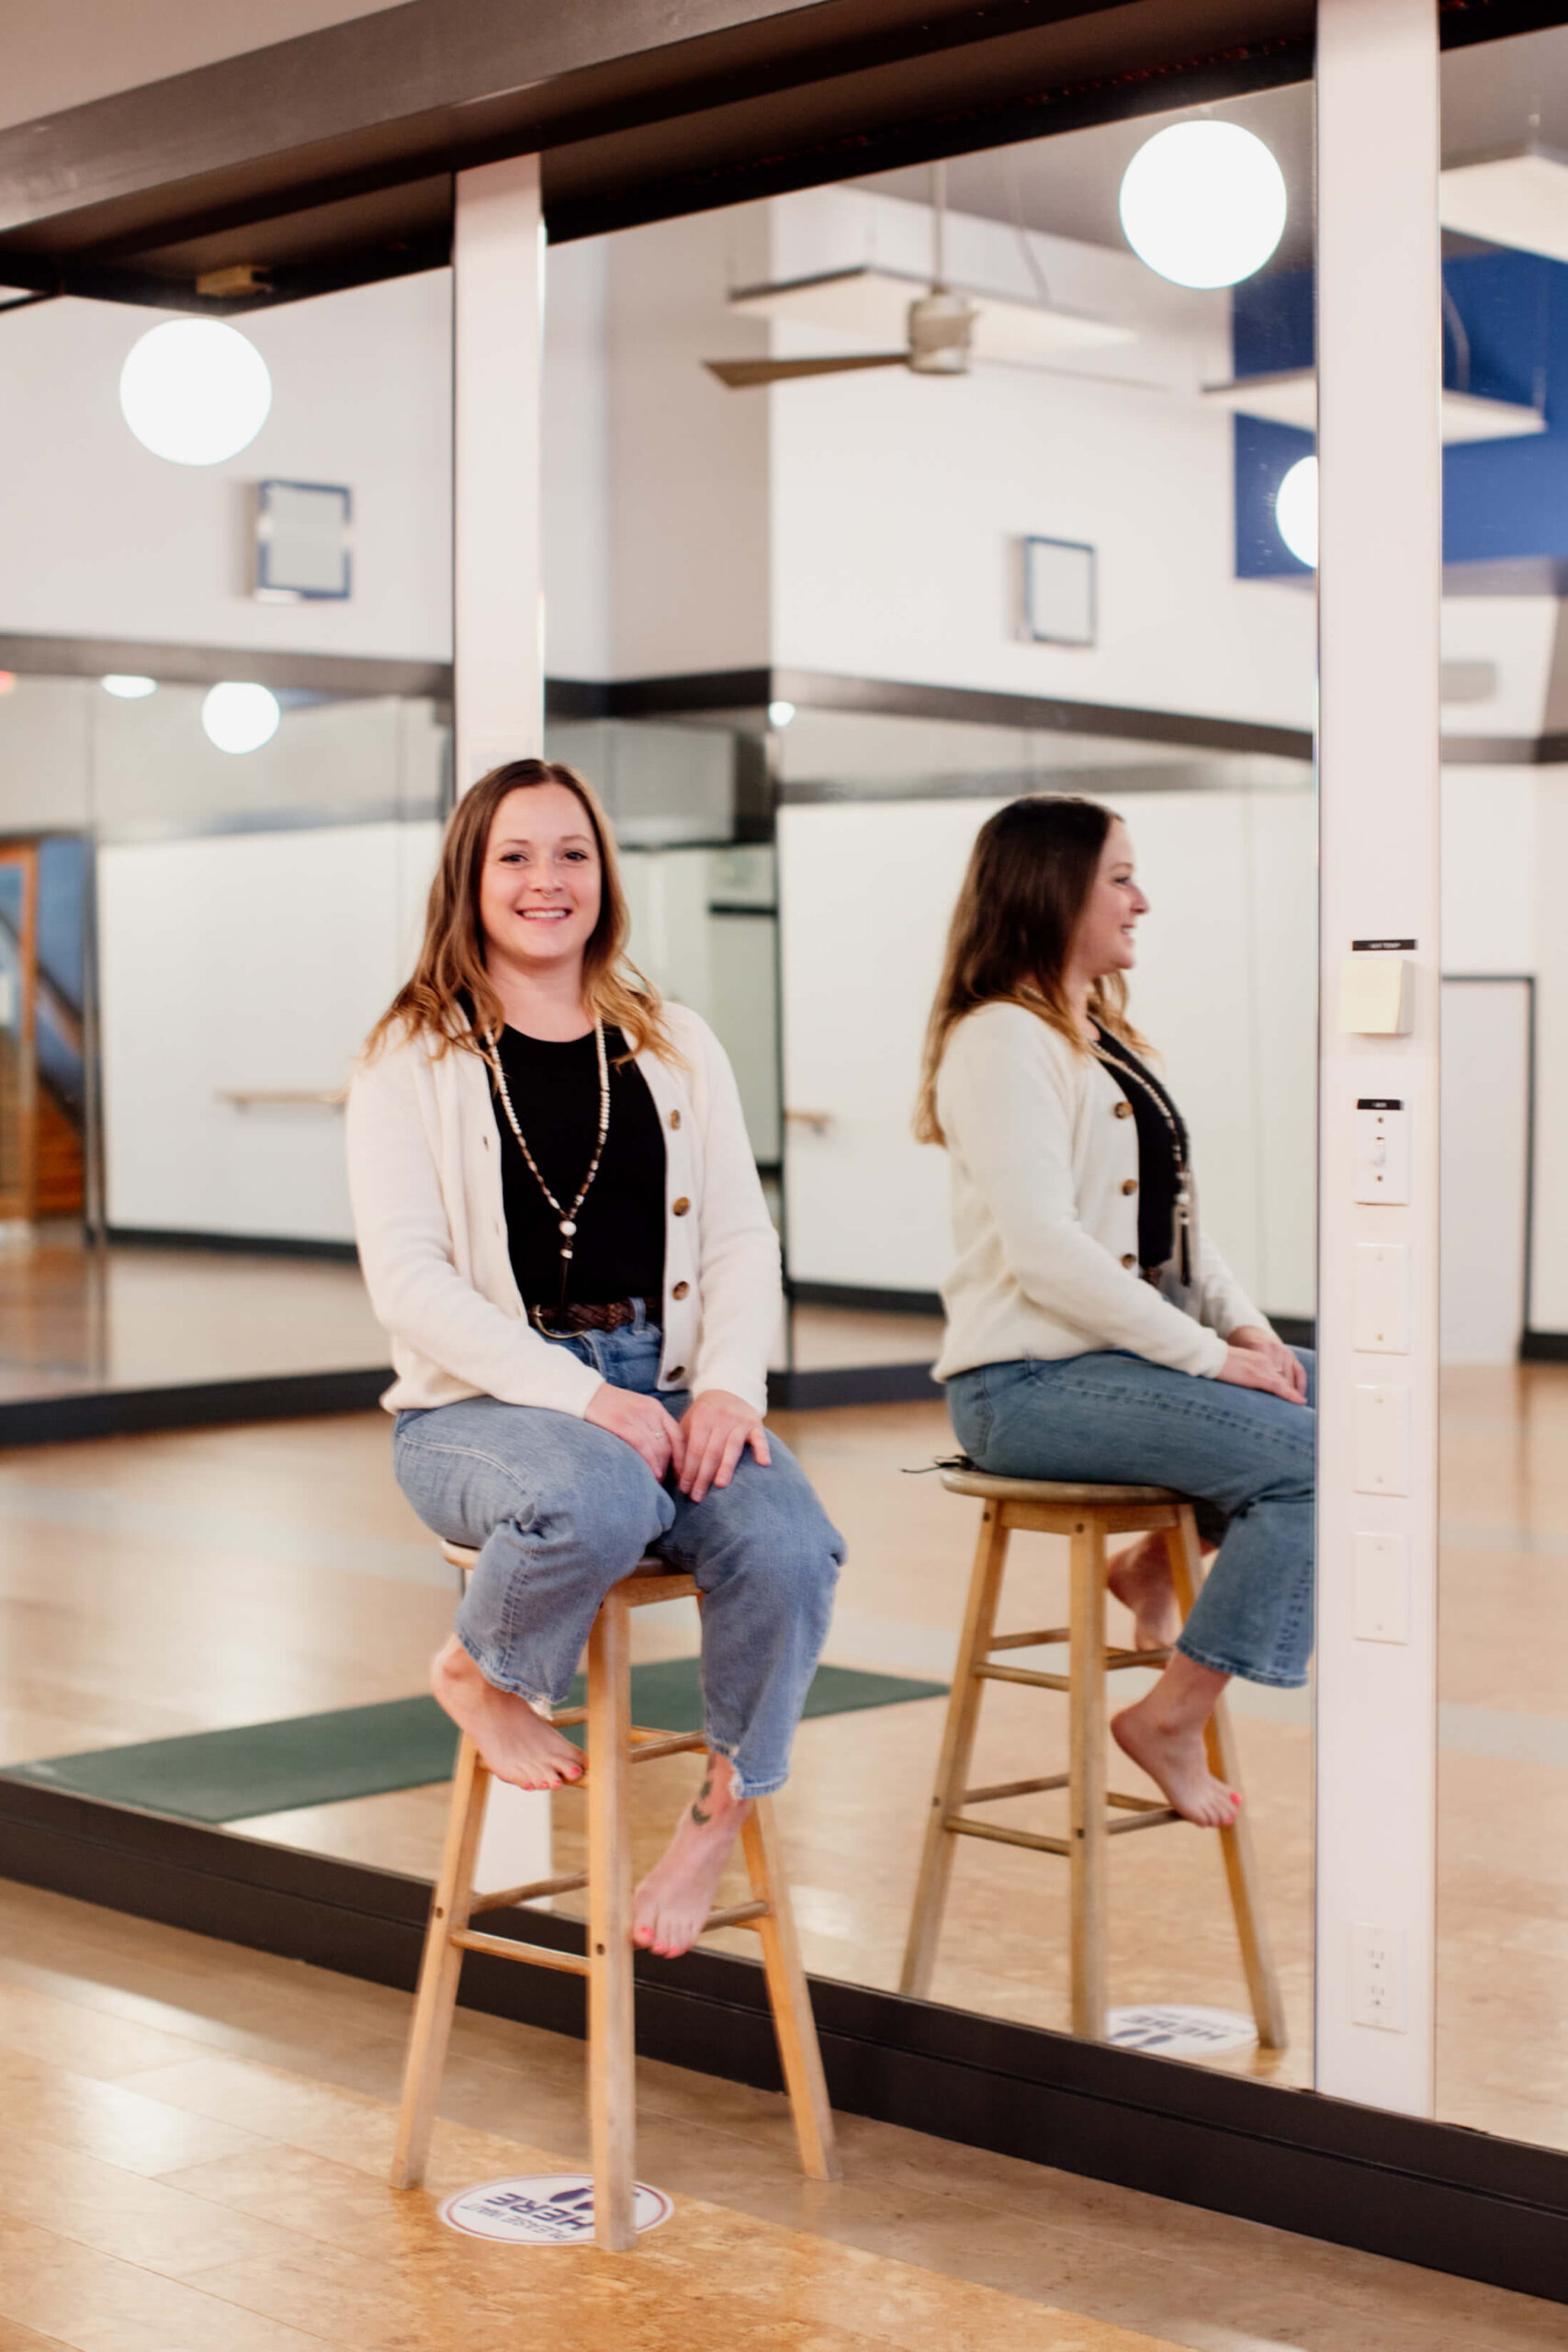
x=780 y=713
x=1289 y=396
x=1295 y=511
x=127 y=687
x=195 y=391
x=1203 y=203
x=1519 y=200
x=240 y=717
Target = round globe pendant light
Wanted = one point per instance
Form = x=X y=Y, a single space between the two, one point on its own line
x=240 y=717
x=1203 y=203
x=195 y=391
x=1295 y=511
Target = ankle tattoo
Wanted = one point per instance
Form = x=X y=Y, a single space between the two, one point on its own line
x=698 y=1815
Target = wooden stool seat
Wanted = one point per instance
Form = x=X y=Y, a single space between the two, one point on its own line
x=615 y=1744
x=1086 y=1515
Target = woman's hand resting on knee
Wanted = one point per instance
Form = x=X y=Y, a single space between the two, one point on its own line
x=1256 y=1359
x=644 y=1425
x=718 y=1428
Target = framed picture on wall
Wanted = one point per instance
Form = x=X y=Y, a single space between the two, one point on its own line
x=1059 y=591
x=304 y=533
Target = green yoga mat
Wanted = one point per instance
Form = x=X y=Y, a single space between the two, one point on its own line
x=369 y=1752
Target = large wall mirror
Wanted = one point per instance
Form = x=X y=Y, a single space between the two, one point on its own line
x=1503 y=1715
x=806 y=633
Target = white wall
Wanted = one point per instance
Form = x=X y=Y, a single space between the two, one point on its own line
x=75 y=50
x=1549 y=1300
x=1224 y=987
x=897 y=501
x=252 y=960
x=100 y=538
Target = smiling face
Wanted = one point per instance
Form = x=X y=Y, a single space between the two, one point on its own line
x=540 y=887
x=1105 y=939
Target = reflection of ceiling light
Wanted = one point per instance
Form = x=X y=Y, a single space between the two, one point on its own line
x=239 y=718
x=873 y=305
x=1290 y=397
x=1203 y=203
x=1519 y=200
x=780 y=713
x=129 y=688
x=1295 y=511
x=195 y=391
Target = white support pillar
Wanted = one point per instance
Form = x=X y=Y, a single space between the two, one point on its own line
x=497 y=268
x=1380 y=583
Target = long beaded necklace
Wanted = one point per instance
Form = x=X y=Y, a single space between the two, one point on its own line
x=565 y=1218
x=1182 y=1206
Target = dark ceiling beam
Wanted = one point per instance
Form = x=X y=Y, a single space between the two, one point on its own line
x=600 y=85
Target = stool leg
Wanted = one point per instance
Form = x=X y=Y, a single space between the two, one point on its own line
x=1086 y=1779
x=612 y=2088
x=794 y=2024
x=440 y=1968
x=1236 y=1843
x=957 y=1747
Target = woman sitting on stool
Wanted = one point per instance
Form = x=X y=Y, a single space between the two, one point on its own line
x=1091 y=1335
x=561 y=1227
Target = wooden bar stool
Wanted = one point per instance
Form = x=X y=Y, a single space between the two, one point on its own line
x=615 y=1744
x=1086 y=1515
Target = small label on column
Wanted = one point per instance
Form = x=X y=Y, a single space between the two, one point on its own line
x=1381 y=1439
x=1381 y=1586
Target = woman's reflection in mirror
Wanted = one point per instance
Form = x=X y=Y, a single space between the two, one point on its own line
x=1094 y=1334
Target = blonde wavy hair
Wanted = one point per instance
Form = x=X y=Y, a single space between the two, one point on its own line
x=1030 y=874
x=450 y=997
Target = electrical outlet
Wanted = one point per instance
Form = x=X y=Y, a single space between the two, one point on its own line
x=1377 y=1977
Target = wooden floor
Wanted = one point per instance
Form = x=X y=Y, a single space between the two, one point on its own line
x=195 y=2155
x=178 y=1582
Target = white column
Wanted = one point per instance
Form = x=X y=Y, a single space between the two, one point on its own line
x=1380 y=583
x=497 y=268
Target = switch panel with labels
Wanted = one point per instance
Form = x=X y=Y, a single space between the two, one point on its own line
x=1383 y=1151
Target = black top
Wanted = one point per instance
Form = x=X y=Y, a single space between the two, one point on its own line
x=1161 y=1155
x=618 y=1251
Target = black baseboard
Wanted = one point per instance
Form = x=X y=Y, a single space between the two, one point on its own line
x=125 y=1412
x=856 y=1383
x=1544 y=1347
x=1450 y=2199
x=241 y=1245
x=1296 y=1331
x=868 y=1301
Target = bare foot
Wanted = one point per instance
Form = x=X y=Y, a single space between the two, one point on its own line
x=675 y=1899
x=1174 y=1757
x=517 y=1745
x=1140 y=1579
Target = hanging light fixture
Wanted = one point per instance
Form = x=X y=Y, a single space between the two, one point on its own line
x=1203 y=203
x=127 y=687
x=1295 y=511
x=195 y=392
x=238 y=717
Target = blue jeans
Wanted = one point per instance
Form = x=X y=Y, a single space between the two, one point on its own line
x=1246 y=1456
x=560 y=1511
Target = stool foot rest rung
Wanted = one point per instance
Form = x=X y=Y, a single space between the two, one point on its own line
x=511 y=1897
x=739 y=1915
x=956 y=1826
x=576 y=1963
x=1015 y=1789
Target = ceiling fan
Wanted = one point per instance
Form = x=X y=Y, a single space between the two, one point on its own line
x=940 y=327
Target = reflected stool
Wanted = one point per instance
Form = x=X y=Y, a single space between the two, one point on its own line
x=615 y=1744
x=1086 y=1515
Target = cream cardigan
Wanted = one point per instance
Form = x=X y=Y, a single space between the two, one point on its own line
x=425 y=1178
x=1043 y=1167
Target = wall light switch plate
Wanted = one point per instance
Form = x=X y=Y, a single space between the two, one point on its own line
x=1381 y=1298
x=1381 y=1439
x=1383 y=1151
x=1377 y=995
x=1381 y=1586
x=1378 y=1995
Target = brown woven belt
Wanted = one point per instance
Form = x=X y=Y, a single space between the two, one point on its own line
x=611 y=1318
